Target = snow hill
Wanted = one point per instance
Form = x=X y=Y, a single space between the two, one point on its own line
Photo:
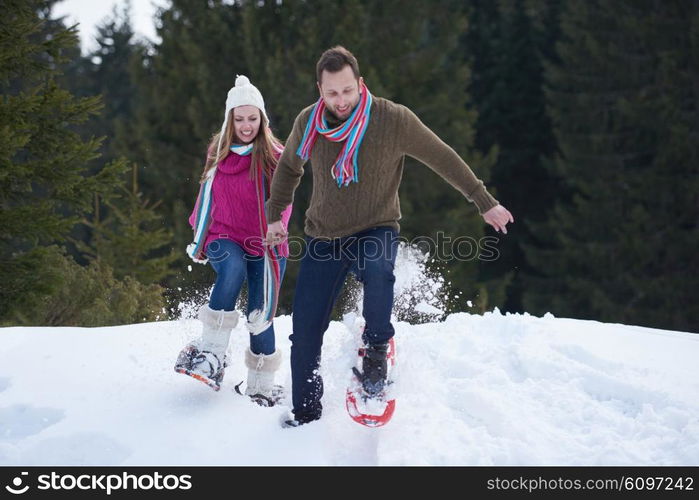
x=493 y=389
x=471 y=390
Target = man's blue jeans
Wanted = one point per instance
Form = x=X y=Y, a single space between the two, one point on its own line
x=233 y=266
x=371 y=256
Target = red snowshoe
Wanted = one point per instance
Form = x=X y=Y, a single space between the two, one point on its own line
x=368 y=399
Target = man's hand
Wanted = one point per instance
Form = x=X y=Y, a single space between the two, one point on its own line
x=498 y=217
x=275 y=234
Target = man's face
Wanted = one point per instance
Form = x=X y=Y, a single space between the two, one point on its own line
x=340 y=91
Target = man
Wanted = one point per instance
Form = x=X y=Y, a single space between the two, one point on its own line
x=356 y=143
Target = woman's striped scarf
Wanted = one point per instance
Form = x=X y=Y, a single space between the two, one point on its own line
x=259 y=320
x=351 y=132
x=195 y=250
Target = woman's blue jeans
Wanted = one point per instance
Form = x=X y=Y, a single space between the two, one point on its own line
x=233 y=266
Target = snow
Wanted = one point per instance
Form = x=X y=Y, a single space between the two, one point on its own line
x=492 y=389
x=496 y=389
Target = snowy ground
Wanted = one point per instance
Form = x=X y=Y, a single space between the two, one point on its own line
x=493 y=389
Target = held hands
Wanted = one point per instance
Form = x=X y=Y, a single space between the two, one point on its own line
x=498 y=217
x=276 y=234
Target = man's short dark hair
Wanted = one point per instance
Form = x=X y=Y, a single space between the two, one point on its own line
x=334 y=60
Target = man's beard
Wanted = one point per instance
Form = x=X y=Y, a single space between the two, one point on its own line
x=349 y=113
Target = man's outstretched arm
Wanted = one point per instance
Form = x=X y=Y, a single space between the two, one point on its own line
x=424 y=145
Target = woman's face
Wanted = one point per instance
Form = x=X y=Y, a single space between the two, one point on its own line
x=246 y=120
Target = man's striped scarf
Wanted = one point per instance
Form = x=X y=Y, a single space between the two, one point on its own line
x=351 y=132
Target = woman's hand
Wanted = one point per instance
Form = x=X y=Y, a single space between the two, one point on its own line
x=276 y=234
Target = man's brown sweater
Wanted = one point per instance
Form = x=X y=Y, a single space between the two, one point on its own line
x=393 y=132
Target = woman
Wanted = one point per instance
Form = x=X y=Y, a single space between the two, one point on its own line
x=229 y=225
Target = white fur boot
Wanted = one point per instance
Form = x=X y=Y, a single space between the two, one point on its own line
x=216 y=329
x=261 y=370
x=205 y=359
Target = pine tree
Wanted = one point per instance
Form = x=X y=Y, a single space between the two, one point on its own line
x=106 y=71
x=129 y=238
x=43 y=183
x=125 y=233
x=625 y=108
x=90 y=296
x=48 y=181
x=507 y=87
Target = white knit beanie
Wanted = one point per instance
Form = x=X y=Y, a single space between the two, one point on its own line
x=243 y=94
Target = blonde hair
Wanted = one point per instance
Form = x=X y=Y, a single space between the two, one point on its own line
x=265 y=149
